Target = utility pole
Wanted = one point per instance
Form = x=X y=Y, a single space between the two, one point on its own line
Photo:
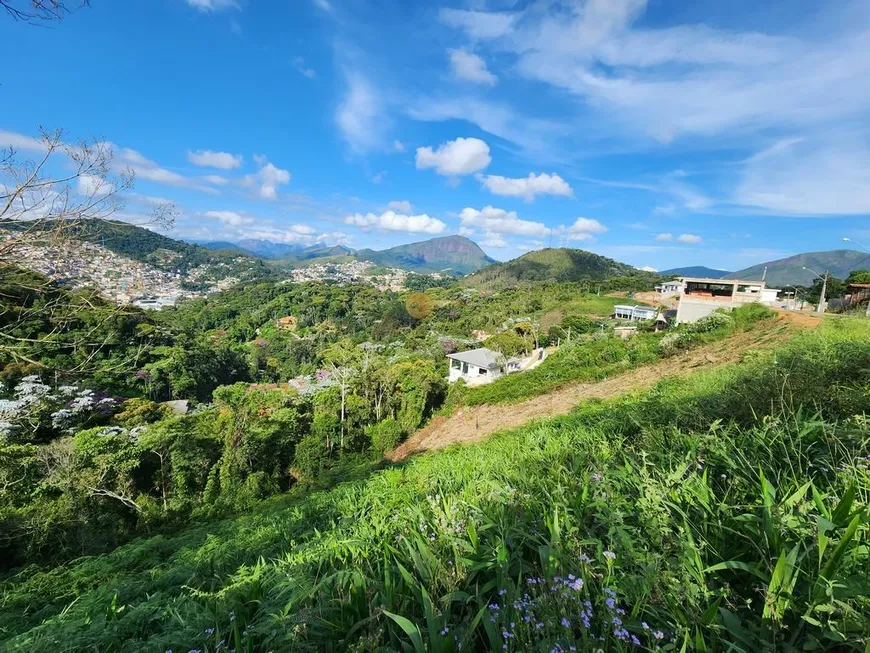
x=824 y=277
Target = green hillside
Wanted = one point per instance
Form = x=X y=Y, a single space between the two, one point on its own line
x=560 y=264
x=631 y=524
x=449 y=254
x=789 y=271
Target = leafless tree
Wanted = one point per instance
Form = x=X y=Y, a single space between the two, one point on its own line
x=47 y=201
x=35 y=11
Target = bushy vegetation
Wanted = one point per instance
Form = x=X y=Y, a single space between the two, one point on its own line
x=598 y=356
x=727 y=511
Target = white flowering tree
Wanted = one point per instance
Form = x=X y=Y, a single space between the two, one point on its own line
x=35 y=412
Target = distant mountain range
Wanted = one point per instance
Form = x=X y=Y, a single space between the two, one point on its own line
x=790 y=271
x=449 y=254
x=695 y=271
x=562 y=264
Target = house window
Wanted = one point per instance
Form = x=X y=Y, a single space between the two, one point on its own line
x=455 y=364
x=465 y=368
x=481 y=371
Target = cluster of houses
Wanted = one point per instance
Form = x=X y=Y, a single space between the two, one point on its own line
x=695 y=298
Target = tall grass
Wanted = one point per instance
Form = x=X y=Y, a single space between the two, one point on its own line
x=660 y=520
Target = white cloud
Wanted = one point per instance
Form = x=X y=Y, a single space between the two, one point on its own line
x=470 y=67
x=498 y=221
x=479 y=24
x=465 y=231
x=648 y=268
x=664 y=237
x=378 y=177
x=360 y=116
x=18 y=141
x=267 y=178
x=403 y=206
x=689 y=239
x=666 y=209
x=303 y=229
x=217 y=180
x=144 y=168
x=92 y=186
x=527 y=187
x=806 y=176
x=398 y=146
x=230 y=218
x=213 y=5
x=324 y=5
x=392 y=221
x=302 y=69
x=689 y=79
x=584 y=229
x=210 y=159
x=463 y=156
x=493 y=240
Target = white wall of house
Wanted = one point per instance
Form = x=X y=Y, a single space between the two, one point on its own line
x=472 y=374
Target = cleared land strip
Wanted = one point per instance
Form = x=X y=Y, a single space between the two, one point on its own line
x=473 y=423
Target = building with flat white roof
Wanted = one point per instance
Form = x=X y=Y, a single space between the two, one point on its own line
x=634 y=313
x=701 y=296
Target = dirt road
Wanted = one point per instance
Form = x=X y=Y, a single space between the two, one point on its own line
x=473 y=423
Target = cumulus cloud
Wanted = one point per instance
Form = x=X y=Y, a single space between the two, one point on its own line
x=584 y=229
x=690 y=239
x=230 y=218
x=498 y=221
x=462 y=156
x=664 y=237
x=527 y=187
x=470 y=67
x=267 y=179
x=392 y=221
x=210 y=159
x=403 y=206
x=398 y=146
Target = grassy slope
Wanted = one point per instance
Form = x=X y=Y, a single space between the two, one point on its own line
x=670 y=502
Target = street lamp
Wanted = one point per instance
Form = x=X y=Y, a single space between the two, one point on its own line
x=824 y=278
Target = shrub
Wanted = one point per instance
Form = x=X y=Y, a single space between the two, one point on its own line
x=385 y=435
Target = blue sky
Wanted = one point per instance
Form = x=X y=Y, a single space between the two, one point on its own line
x=660 y=133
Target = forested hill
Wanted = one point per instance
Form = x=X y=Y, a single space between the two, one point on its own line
x=450 y=254
x=562 y=264
x=839 y=263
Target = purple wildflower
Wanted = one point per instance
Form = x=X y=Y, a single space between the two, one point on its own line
x=610 y=555
x=444 y=631
x=209 y=631
x=565 y=622
x=659 y=634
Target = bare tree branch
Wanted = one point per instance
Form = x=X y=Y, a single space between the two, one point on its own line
x=34 y=11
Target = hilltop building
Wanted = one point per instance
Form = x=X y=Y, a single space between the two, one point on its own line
x=700 y=297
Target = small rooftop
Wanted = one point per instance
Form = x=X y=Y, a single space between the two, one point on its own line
x=726 y=282
x=480 y=357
